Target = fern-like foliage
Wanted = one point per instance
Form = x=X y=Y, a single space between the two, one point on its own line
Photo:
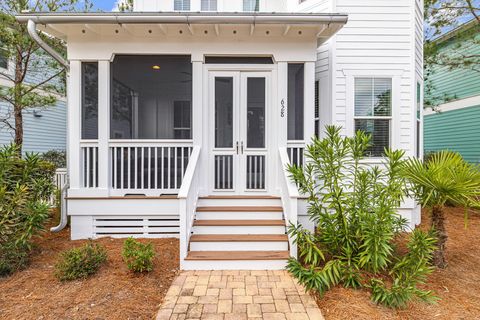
x=354 y=207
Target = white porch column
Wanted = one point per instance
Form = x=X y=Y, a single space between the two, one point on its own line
x=197 y=102
x=282 y=114
x=74 y=83
x=309 y=101
x=199 y=113
x=103 y=126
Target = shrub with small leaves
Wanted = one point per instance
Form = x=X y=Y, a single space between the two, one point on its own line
x=138 y=256
x=81 y=262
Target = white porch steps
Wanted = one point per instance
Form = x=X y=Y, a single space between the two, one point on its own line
x=238 y=233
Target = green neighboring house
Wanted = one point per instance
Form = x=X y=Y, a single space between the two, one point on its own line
x=455 y=94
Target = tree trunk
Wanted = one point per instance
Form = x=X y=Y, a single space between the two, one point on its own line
x=18 y=127
x=17 y=107
x=438 y=224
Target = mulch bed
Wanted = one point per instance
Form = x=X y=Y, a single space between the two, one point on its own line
x=458 y=286
x=112 y=293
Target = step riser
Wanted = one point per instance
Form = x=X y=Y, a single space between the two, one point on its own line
x=239 y=230
x=238 y=246
x=239 y=202
x=234 y=265
x=239 y=215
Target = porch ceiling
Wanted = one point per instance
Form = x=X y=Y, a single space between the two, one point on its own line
x=312 y=25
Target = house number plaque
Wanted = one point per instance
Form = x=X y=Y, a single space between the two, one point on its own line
x=282 y=108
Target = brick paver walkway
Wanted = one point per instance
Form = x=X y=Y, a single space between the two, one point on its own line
x=228 y=295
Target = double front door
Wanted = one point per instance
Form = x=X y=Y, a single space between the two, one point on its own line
x=239 y=108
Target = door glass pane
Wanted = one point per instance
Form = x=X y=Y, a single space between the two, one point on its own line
x=224 y=112
x=256 y=112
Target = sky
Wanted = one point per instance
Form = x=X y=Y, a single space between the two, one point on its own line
x=104 y=5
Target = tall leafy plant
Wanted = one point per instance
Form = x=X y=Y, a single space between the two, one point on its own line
x=444 y=178
x=25 y=187
x=354 y=208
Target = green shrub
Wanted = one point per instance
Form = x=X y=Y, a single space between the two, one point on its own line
x=26 y=185
x=354 y=207
x=57 y=157
x=138 y=256
x=81 y=262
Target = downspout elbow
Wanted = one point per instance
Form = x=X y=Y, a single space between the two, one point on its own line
x=32 y=31
x=63 y=210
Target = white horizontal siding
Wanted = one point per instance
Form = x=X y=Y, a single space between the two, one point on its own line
x=41 y=134
x=377 y=37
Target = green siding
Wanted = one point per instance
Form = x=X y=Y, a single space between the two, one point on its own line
x=459 y=83
x=456 y=130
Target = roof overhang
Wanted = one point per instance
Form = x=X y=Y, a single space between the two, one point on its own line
x=319 y=26
x=59 y=24
x=184 y=18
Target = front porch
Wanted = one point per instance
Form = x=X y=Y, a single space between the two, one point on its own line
x=169 y=137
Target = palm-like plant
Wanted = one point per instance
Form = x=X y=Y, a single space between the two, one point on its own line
x=445 y=178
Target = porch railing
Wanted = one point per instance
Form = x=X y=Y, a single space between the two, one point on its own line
x=143 y=165
x=89 y=160
x=138 y=166
x=295 y=151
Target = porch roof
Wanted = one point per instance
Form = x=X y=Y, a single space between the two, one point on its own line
x=58 y=24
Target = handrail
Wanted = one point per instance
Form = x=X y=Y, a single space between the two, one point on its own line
x=189 y=173
x=284 y=162
x=289 y=196
x=188 y=198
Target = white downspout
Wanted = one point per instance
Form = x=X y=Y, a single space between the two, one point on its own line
x=32 y=31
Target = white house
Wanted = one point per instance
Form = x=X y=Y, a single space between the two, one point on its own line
x=182 y=115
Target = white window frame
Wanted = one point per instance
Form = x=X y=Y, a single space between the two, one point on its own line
x=183 y=5
x=396 y=76
x=209 y=6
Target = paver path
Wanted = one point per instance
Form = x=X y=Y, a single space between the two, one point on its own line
x=228 y=295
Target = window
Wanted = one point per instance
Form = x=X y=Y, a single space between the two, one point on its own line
x=317 y=109
x=89 y=100
x=373 y=112
x=295 y=101
x=209 y=5
x=419 y=119
x=181 y=5
x=251 y=5
x=151 y=97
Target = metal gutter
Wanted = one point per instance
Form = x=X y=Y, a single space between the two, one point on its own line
x=32 y=31
x=183 y=18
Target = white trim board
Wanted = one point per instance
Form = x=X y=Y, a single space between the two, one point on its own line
x=455 y=105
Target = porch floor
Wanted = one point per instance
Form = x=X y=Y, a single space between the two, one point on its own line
x=237 y=294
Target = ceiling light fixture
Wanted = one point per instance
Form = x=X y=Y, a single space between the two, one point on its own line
x=155 y=67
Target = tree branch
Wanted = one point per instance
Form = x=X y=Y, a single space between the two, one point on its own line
x=43 y=82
